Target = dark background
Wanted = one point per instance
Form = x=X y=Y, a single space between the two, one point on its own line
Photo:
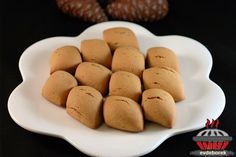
x=24 y=22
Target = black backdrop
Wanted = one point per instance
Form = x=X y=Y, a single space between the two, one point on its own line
x=24 y=22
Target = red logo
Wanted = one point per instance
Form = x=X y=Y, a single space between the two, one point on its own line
x=212 y=141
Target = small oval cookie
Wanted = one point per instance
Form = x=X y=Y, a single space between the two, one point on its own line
x=119 y=37
x=125 y=84
x=123 y=113
x=164 y=78
x=58 y=86
x=162 y=56
x=65 y=58
x=159 y=107
x=96 y=50
x=94 y=75
x=128 y=59
x=84 y=103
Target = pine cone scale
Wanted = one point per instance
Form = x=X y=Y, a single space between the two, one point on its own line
x=130 y=10
x=138 y=10
x=88 y=10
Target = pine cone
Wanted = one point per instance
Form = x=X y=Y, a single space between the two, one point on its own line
x=138 y=10
x=88 y=10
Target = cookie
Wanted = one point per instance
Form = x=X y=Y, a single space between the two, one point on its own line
x=159 y=107
x=96 y=50
x=125 y=84
x=84 y=103
x=65 y=58
x=161 y=56
x=123 y=113
x=128 y=59
x=119 y=37
x=164 y=78
x=58 y=86
x=94 y=75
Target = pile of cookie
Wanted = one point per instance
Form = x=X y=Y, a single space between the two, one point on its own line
x=106 y=80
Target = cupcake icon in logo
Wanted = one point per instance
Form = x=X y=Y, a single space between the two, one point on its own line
x=212 y=141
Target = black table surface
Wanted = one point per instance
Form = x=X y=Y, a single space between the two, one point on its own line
x=24 y=22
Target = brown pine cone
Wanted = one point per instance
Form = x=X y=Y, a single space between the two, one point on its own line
x=138 y=10
x=88 y=10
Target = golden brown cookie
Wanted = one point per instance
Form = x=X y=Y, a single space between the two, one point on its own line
x=128 y=59
x=119 y=37
x=159 y=107
x=96 y=50
x=58 y=86
x=161 y=56
x=65 y=58
x=125 y=84
x=94 y=75
x=84 y=103
x=123 y=113
x=164 y=78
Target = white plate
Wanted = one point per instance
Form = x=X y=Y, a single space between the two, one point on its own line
x=204 y=99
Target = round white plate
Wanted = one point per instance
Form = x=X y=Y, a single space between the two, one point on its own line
x=27 y=107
